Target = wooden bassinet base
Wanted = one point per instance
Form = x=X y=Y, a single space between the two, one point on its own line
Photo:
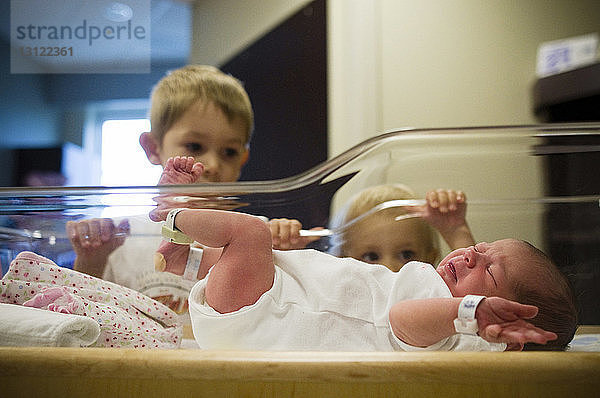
x=103 y=372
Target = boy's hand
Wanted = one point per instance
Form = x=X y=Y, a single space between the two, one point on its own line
x=96 y=235
x=446 y=209
x=286 y=234
x=94 y=240
x=504 y=321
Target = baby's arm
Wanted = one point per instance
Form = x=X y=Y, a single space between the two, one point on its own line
x=245 y=269
x=424 y=322
x=446 y=211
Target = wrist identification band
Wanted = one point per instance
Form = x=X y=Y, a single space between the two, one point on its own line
x=193 y=263
x=170 y=233
x=466 y=322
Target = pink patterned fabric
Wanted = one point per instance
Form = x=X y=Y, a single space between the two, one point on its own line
x=57 y=299
x=126 y=318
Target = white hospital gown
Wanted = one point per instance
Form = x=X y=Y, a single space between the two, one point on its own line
x=323 y=303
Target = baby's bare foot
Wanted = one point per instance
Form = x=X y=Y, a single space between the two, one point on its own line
x=178 y=170
x=181 y=170
x=171 y=257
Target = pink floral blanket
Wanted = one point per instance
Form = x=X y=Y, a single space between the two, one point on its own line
x=126 y=318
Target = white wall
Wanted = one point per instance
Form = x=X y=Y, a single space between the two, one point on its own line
x=445 y=63
x=426 y=63
x=439 y=63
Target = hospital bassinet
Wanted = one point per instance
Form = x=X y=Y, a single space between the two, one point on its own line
x=537 y=183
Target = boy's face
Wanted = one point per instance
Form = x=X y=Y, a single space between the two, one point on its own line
x=205 y=133
x=381 y=240
x=486 y=269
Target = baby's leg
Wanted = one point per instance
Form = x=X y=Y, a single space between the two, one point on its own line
x=245 y=269
x=171 y=257
x=242 y=271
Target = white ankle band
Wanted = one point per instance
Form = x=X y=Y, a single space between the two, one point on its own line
x=193 y=263
x=171 y=233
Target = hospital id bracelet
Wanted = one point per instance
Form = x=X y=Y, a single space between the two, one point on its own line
x=193 y=263
x=466 y=322
x=170 y=232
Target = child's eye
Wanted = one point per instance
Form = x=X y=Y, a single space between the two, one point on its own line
x=407 y=255
x=193 y=147
x=231 y=152
x=370 y=257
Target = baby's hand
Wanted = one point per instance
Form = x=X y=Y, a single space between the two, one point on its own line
x=286 y=234
x=504 y=321
x=97 y=235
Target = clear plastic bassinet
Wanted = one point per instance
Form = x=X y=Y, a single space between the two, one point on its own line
x=537 y=183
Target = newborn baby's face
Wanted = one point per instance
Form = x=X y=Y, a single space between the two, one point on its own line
x=482 y=269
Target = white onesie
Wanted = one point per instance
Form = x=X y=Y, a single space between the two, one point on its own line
x=323 y=303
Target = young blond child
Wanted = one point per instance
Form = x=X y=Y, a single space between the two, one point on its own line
x=196 y=111
x=201 y=112
x=252 y=297
x=396 y=235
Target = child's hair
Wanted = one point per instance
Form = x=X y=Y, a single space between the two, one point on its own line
x=552 y=294
x=183 y=87
x=365 y=200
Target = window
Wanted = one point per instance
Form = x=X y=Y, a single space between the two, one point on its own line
x=111 y=155
x=123 y=161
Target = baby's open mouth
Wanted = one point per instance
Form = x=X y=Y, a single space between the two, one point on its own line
x=452 y=270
